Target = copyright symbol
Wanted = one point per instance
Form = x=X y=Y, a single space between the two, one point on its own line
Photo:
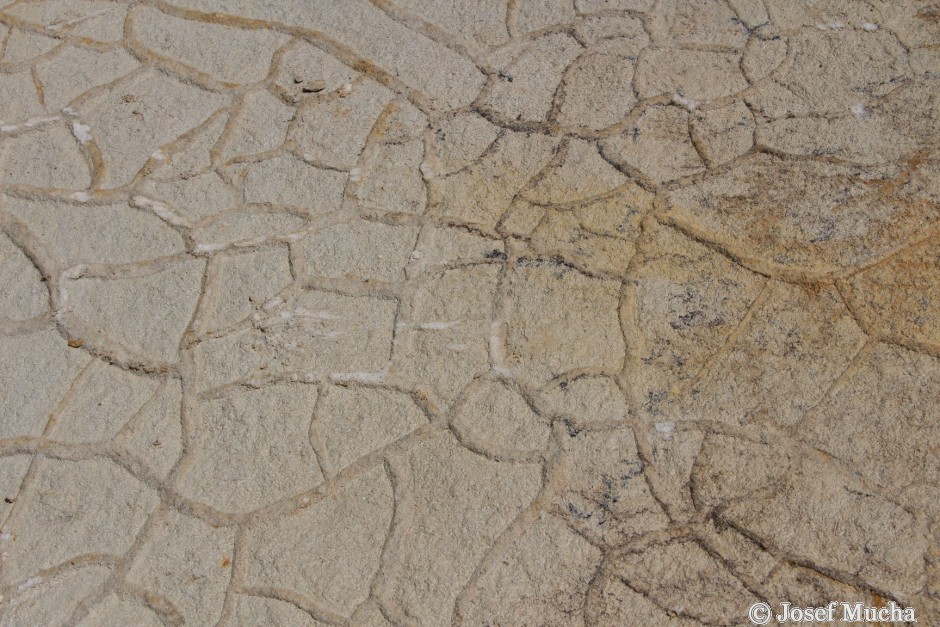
x=759 y=613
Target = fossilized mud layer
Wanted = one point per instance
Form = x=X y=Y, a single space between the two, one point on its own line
x=419 y=312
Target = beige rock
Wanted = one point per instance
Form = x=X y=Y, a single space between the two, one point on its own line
x=686 y=581
x=899 y=297
x=128 y=309
x=131 y=121
x=261 y=125
x=74 y=71
x=772 y=100
x=454 y=506
x=305 y=70
x=589 y=6
x=753 y=380
x=89 y=506
x=673 y=453
x=336 y=251
x=538 y=14
x=525 y=88
x=402 y=122
x=46 y=157
x=438 y=246
x=827 y=79
x=461 y=140
x=744 y=557
x=560 y=320
x=81 y=233
x=522 y=218
x=849 y=530
x=284 y=180
x=540 y=577
x=20 y=100
x=601 y=490
x=481 y=193
x=866 y=139
x=720 y=474
x=268 y=456
x=922 y=184
x=327 y=551
x=114 y=610
x=192 y=153
x=12 y=470
x=725 y=133
x=394 y=182
x=560 y=236
x=445 y=359
x=618 y=214
x=584 y=400
x=814 y=217
x=495 y=420
x=448 y=79
x=324 y=332
x=657 y=144
x=421 y=312
x=352 y=422
x=52 y=601
x=24 y=295
x=102 y=26
x=91 y=19
x=762 y=56
x=40 y=356
x=809 y=588
x=103 y=400
x=333 y=131
x=612 y=602
x=193 y=196
x=231 y=55
x=155 y=435
x=188 y=562
x=882 y=421
x=246 y=226
x=825 y=15
x=913 y=25
x=242 y=283
x=687 y=300
x=626 y=34
x=438 y=305
x=480 y=21
x=250 y=610
x=448 y=342
x=697 y=23
x=693 y=74
x=370 y=615
x=23 y=45
x=598 y=87
x=582 y=173
x=219 y=360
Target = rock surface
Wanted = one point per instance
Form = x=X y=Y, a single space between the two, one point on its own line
x=475 y=312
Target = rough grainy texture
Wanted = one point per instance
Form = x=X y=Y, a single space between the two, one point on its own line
x=475 y=312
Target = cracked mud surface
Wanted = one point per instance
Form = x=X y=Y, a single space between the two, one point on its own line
x=502 y=312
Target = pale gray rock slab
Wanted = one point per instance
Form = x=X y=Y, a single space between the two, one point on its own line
x=132 y=121
x=328 y=550
x=91 y=506
x=130 y=309
x=41 y=356
x=267 y=452
x=188 y=562
x=85 y=233
x=24 y=295
x=47 y=157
